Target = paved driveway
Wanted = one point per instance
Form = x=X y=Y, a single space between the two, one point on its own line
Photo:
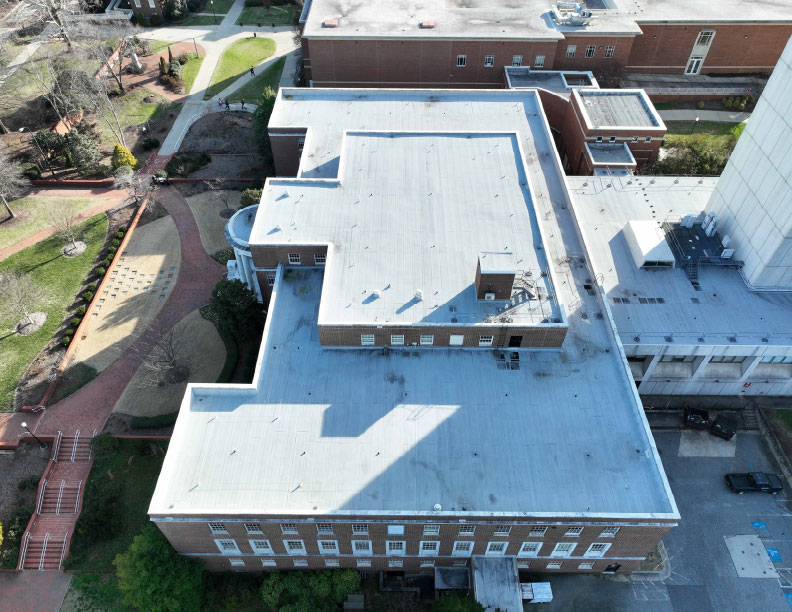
x=703 y=577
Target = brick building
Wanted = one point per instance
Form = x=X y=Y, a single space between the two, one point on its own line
x=369 y=438
x=463 y=45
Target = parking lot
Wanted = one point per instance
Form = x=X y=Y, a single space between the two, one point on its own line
x=703 y=577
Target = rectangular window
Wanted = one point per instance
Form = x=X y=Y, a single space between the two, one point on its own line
x=586 y=565
x=367 y=339
x=427 y=562
x=217 y=528
x=563 y=549
x=328 y=547
x=152 y=5
x=516 y=61
x=486 y=340
x=427 y=340
x=459 y=564
x=300 y=563
x=395 y=529
x=648 y=139
x=237 y=562
x=496 y=549
x=227 y=547
x=300 y=145
x=253 y=528
x=529 y=549
x=137 y=3
x=775 y=359
x=461 y=61
x=599 y=138
x=364 y=563
x=635 y=138
x=538 y=531
x=539 y=61
x=429 y=549
x=467 y=530
x=456 y=340
x=431 y=530
x=726 y=359
x=705 y=38
x=523 y=564
x=590 y=50
x=610 y=50
x=397 y=340
x=320 y=259
x=554 y=565
x=270 y=279
x=294 y=259
x=361 y=547
x=489 y=61
x=395 y=547
x=612 y=139
x=609 y=532
x=462 y=549
x=268 y=563
x=288 y=528
x=502 y=530
x=294 y=547
x=261 y=547
x=360 y=529
x=597 y=549
x=573 y=531
x=571 y=49
x=332 y=563
x=395 y=563
x=324 y=528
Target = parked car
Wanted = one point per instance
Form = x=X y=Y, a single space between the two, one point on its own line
x=724 y=427
x=696 y=418
x=754 y=482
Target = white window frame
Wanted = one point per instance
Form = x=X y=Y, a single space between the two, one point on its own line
x=301 y=563
x=609 y=51
x=599 y=138
x=253 y=528
x=367 y=339
x=523 y=564
x=294 y=259
x=152 y=4
x=221 y=543
x=428 y=548
x=295 y=551
x=571 y=51
x=467 y=530
x=597 y=550
x=332 y=563
x=397 y=339
x=361 y=552
x=462 y=548
x=563 y=549
x=489 y=61
x=364 y=562
x=289 y=528
x=431 y=530
x=269 y=563
x=320 y=259
x=395 y=563
x=555 y=564
x=456 y=340
x=137 y=5
x=486 y=340
x=612 y=139
x=573 y=532
x=538 y=532
x=496 y=549
x=501 y=530
x=395 y=548
x=517 y=61
x=360 y=529
x=459 y=563
x=270 y=279
x=530 y=549
x=332 y=544
x=590 y=51
x=609 y=532
x=261 y=547
x=427 y=339
x=707 y=35
x=237 y=562
x=461 y=61
x=427 y=563
x=324 y=528
x=218 y=528
x=586 y=565
x=648 y=139
x=539 y=61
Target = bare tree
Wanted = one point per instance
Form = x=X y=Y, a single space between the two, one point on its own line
x=12 y=181
x=58 y=11
x=167 y=361
x=18 y=294
x=137 y=184
x=63 y=84
x=221 y=194
x=65 y=225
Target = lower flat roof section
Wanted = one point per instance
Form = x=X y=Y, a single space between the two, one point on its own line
x=496 y=583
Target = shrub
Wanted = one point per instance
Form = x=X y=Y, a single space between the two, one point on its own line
x=150 y=144
x=123 y=157
x=111 y=250
x=161 y=174
x=741 y=107
x=177 y=85
x=165 y=79
x=728 y=102
x=184 y=58
x=33 y=172
x=153 y=422
x=101 y=271
x=250 y=197
x=155 y=20
x=120 y=233
x=175 y=69
x=80 y=310
x=66 y=340
x=14 y=529
x=141 y=19
x=163 y=67
x=31 y=482
x=115 y=242
x=700 y=104
x=75 y=321
x=107 y=261
x=91 y=287
x=100 y=516
x=182 y=164
x=87 y=295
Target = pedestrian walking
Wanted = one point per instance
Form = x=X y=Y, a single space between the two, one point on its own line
x=228 y=106
x=251 y=71
x=243 y=102
x=220 y=102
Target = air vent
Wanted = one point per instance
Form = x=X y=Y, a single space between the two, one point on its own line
x=732 y=338
x=330 y=23
x=427 y=24
x=669 y=339
x=695 y=300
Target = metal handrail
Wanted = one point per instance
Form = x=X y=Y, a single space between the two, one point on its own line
x=63 y=549
x=41 y=496
x=60 y=496
x=90 y=446
x=56 y=446
x=74 y=446
x=44 y=550
x=77 y=499
x=22 y=556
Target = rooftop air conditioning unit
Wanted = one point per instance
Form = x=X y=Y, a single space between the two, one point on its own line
x=490 y=297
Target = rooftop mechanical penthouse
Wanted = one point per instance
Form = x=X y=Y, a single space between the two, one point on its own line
x=390 y=424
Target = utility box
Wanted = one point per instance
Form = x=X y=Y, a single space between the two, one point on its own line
x=495 y=274
x=536 y=592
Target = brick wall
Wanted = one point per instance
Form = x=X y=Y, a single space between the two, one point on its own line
x=600 y=65
x=270 y=256
x=499 y=284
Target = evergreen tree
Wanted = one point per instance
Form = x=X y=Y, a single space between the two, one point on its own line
x=123 y=157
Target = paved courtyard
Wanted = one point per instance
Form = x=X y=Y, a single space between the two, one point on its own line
x=703 y=577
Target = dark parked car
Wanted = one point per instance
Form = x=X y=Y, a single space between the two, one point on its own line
x=754 y=482
x=696 y=418
x=724 y=427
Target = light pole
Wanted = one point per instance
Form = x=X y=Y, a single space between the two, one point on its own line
x=41 y=444
x=44 y=157
x=196 y=48
x=213 y=11
x=695 y=124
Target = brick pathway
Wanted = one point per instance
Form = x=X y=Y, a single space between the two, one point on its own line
x=32 y=591
x=150 y=77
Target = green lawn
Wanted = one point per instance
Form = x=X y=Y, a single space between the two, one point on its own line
x=132 y=110
x=785 y=416
x=135 y=472
x=278 y=15
x=221 y=7
x=32 y=215
x=200 y=20
x=236 y=60
x=61 y=278
x=158 y=46
x=252 y=91
x=190 y=71
x=715 y=128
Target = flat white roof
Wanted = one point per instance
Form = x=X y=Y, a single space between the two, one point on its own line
x=647 y=242
x=622 y=108
x=496 y=262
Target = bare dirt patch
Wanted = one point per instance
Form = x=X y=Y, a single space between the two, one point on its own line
x=207 y=210
x=74 y=250
x=31 y=324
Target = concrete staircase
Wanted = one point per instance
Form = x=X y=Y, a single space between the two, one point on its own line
x=750 y=417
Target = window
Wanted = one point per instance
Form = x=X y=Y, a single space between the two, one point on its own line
x=563 y=549
x=294 y=547
x=677 y=358
x=461 y=61
x=571 y=49
x=597 y=549
x=288 y=528
x=462 y=549
x=294 y=259
x=137 y=3
x=612 y=139
x=529 y=549
x=427 y=340
x=364 y=563
x=227 y=546
x=516 y=61
x=554 y=565
x=324 y=528
x=261 y=547
x=270 y=279
x=428 y=548
x=599 y=138
x=726 y=359
x=395 y=563
x=328 y=547
x=496 y=549
x=427 y=562
x=538 y=531
x=300 y=563
x=573 y=532
x=586 y=565
x=268 y=563
x=395 y=529
x=320 y=259
x=332 y=563
x=539 y=61
x=431 y=530
x=489 y=61
x=237 y=562
x=395 y=547
x=360 y=529
x=367 y=340
x=300 y=145
x=459 y=564
x=523 y=564
x=397 y=340
x=590 y=50
x=152 y=5
x=253 y=528
x=609 y=50
x=502 y=530
x=609 y=532
x=705 y=38
x=456 y=340
x=635 y=138
x=467 y=530
x=486 y=340
x=361 y=547
x=217 y=528
x=775 y=359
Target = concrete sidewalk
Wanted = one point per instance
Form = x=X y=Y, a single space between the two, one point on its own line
x=704 y=115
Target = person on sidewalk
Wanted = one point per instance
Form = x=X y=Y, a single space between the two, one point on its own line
x=243 y=102
x=220 y=103
x=251 y=71
x=228 y=106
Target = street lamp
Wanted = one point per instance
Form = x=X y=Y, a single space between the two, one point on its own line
x=41 y=444
x=46 y=159
x=213 y=11
x=695 y=124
